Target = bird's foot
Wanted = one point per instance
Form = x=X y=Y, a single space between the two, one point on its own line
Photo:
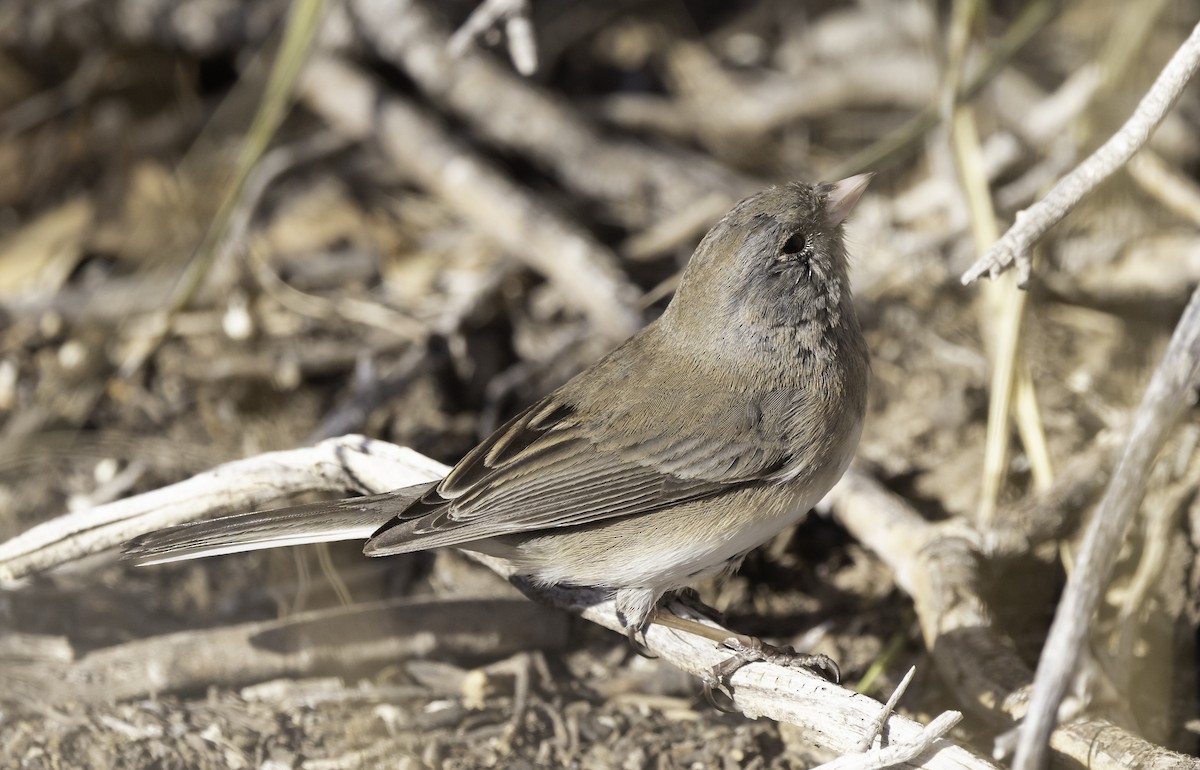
x=751 y=649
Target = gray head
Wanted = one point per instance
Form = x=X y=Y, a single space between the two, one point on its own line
x=774 y=269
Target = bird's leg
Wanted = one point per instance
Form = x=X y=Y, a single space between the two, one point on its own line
x=688 y=600
x=635 y=608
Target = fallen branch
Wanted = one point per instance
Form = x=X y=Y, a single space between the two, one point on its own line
x=528 y=228
x=937 y=565
x=346 y=464
x=344 y=638
x=637 y=182
x=830 y=718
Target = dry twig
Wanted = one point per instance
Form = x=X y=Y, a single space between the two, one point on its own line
x=1032 y=223
x=518 y=31
x=1172 y=386
x=897 y=753
x=1005 y=305
x=880 y=722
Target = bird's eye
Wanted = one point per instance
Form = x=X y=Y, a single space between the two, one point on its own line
x=793 y=247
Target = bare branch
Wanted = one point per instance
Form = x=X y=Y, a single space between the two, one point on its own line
x=1170 y=389
x=1032 y=223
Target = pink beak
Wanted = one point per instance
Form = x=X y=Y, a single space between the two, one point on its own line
x=844 y=195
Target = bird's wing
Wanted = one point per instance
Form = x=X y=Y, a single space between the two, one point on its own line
x=555 y=466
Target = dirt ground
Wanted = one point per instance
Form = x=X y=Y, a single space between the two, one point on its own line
x=172 y=298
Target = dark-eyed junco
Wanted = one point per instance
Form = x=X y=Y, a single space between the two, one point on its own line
x=698 y=439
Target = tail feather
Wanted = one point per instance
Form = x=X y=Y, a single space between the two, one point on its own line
x=354 y=519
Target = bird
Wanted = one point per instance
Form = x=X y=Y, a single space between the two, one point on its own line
x=701 y=437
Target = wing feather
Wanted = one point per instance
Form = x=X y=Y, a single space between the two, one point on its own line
x=600 y=447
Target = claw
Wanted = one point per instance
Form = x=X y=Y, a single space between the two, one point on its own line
x=639 y=645
x=751 y=650
x=712 y=685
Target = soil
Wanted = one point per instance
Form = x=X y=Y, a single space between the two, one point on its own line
x=356 y=297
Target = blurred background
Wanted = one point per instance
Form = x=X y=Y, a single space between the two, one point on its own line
x=228 y=228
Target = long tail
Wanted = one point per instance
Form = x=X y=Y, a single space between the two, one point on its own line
x=354 y=519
